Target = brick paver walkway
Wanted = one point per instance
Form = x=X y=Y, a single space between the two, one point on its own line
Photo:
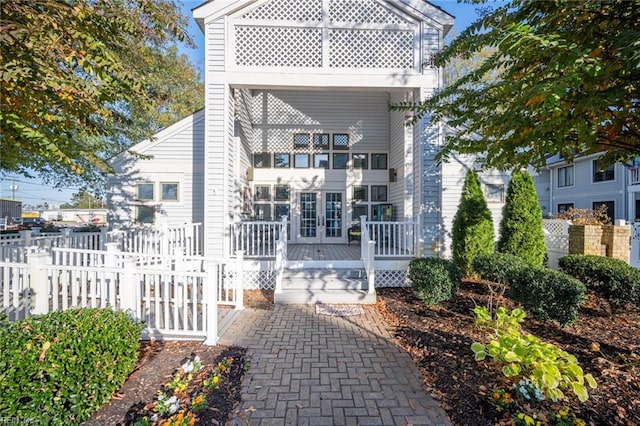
x=310 y=369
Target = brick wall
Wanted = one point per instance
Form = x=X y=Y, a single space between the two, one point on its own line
x=606 y=240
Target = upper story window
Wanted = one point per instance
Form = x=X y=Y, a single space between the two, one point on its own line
x=494 y=193
x=145 y=191
x=601 y=174
x=565 y=176
x=261 y=160
x=168 y=191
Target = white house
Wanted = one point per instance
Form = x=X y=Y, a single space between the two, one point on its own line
x=296 y=123
x=585 y=184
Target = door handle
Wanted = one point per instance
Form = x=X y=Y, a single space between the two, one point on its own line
x=317 y=220
x=322 y=220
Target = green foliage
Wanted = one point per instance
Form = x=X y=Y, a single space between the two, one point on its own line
x=521 y=226
x=547 y=367
x=60 y=367
x=434 y=280
x=567 y=82
x=83 y=200
x=472 y=233
x=611 y=279
x=498 y=267
x=547 y=294
x=82 y=80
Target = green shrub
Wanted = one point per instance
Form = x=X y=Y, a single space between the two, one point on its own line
x=498 y=267
x=521 y=231
x=60 y=367
x=611 y=279
x=434 y=280
x=547 y=294
x=472 y=229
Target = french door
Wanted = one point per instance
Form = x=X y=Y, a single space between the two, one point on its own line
x=320 y=217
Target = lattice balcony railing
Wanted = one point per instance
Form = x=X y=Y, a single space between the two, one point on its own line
x=329 y=34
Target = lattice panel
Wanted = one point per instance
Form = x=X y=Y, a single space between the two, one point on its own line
x=391 y=278
x=557 y=242
x=256 y=280
x=278 y=47
x=381 y=49
x=556 y=227
x=362 y=12
x=282 y=10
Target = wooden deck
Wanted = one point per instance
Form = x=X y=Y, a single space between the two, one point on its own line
x=323 y=252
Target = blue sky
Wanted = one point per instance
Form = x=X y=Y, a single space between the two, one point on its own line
x=33 y=191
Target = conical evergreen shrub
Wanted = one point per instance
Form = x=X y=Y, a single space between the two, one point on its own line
x=472 y=226
x=521 y=226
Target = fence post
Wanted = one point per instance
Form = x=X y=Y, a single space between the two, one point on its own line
x=39 y=282
x=239 y=291
x=371 y=271
x=128 y=285
x=25 y=236
x=211 y=302
x=103 y=239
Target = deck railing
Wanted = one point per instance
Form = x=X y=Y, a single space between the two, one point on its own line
x=635 y=176
x=281 y=254
x=255 y=238
x=367 y=247
x=393 y=239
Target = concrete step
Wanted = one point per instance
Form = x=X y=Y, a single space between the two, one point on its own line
x=312 y=296
x=310 y=286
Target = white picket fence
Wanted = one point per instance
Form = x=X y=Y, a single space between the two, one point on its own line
x=175 y=293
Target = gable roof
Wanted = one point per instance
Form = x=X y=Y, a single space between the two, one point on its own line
x=421 y=9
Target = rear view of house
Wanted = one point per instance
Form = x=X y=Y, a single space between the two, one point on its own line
x=297 y=134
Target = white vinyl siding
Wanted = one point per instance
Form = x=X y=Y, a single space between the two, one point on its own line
x=216 y=52
x=176 y=156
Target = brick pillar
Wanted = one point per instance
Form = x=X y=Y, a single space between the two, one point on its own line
x=616 y=239
x=586 y=239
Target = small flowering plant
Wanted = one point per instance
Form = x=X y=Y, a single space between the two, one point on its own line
x=528 y=391
x=199 y=403
x=501 y=399
x=192 y=365
x=166 y=405
x=565 y=417
x=523 y=419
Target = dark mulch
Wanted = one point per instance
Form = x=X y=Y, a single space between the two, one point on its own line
x=159 y=360
x=439 y=339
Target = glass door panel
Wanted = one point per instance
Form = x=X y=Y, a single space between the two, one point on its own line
x=308 y=215
x=333 y=213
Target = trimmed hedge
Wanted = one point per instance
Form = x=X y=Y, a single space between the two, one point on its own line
x=60 y=367
x=434 y=280
x=611 y=279
x=547 y=294
x=498 y=267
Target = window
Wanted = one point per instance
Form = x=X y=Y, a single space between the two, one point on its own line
x=340 y=141
x=301 y=140
x=282 y=193
x=564 y=207
x=168 y=191
x=145 y=191
x=494 y=193
x=359 y=210
x=378 y=161
x=301 y=161
x=360 y=161
x=262 y=211
x=262 y=160
x=281 y=161
x=602 y=175
x=321 y=140
x=360 y=192
x=340 y=161
x=378 y=192
x=262 y=193
x=610 y=208
x=321 y=161
x=565 y=176
x=145 y=214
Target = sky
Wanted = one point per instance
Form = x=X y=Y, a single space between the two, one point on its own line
x=34 y=191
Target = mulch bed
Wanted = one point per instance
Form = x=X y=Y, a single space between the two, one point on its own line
x=439 y=339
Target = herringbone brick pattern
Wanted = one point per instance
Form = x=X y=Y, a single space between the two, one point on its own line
x=310 y=369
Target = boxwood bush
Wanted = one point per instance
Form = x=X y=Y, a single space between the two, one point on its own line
x=498 y=267
x=60 y=367
x=611 y=279
x=547 y=294
x=434 y=280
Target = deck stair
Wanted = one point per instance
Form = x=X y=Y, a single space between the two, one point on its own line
x=325 y=285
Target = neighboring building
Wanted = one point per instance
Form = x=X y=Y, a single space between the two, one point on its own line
x=585 y=184
x=10 y=209
x=72 y=217
x=296 y=123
